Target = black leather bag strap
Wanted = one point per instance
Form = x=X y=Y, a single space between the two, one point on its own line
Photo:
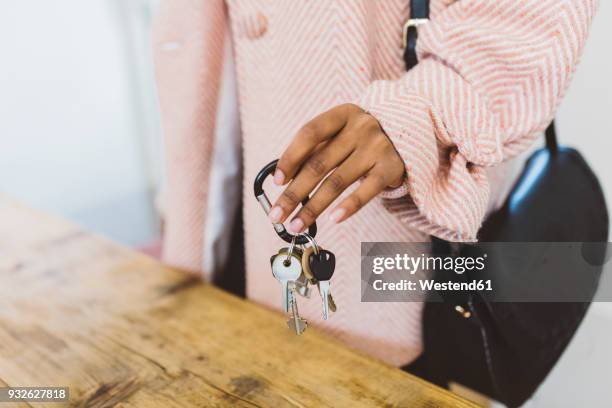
x=551 y=138
x=419 y=14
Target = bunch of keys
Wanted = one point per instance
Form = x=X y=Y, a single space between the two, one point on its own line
x=296 y=269
x=298 y=266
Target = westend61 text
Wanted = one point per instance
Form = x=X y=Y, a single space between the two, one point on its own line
x=430 y=284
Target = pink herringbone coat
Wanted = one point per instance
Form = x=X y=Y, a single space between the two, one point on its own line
x=490 y=77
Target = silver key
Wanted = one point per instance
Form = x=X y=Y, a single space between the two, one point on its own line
x=318 y=264
x=325 y=294
x=322 y=265
x=295 y=322
x=286 y=269
x=301 y=286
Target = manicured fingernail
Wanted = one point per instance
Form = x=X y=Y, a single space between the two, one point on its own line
x=296 y=226
x=337 y=214
x=275 y=214
x=279 y=177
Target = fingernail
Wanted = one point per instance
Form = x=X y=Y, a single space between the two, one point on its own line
x=296 y=226
x=275 y=214
x=337 y=214
x=279 y=177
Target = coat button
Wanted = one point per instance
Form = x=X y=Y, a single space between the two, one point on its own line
x=252 y=25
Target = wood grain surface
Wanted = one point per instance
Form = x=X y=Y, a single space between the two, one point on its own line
x=120 y=329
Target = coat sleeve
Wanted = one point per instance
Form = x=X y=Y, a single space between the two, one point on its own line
x=490 y=77
x=188 y=40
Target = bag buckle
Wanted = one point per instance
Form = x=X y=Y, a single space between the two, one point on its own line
x=413 y=22
x=466 y=314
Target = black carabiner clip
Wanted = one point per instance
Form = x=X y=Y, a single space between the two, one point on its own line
x=261 y=196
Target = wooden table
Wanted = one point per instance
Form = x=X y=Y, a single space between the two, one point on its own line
x=119 y=328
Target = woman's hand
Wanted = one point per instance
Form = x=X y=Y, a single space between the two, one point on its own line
x=347 y=143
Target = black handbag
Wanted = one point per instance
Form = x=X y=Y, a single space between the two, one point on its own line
x=506 y=349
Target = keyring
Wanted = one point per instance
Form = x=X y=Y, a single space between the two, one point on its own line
x=312 y=242
x=290 y=251
x=265 y=203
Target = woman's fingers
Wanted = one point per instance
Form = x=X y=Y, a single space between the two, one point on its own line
x=348 y=140
x=318 y=130
x=309 y=176
x=372 y=185
x=345 y=175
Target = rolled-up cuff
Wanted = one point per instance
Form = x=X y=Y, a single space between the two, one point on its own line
x=443 y=195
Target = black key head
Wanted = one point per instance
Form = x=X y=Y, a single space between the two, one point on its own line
x=322 y=265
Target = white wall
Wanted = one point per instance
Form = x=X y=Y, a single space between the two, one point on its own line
x=585 y=116
x=70 y=130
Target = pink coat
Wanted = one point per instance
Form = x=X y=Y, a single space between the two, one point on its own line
x=490 y=77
